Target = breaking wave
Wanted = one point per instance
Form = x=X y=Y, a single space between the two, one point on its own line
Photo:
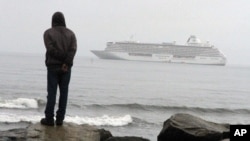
x=29 y=103
x=141 y=107
x=20 y=103
x=104 y=120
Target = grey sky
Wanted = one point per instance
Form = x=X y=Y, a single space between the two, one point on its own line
x=225 y=23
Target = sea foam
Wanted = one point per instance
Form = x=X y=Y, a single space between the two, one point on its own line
x=104 y=120
x=21 y=103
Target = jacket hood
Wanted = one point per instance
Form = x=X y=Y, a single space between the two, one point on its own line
x=58 y=19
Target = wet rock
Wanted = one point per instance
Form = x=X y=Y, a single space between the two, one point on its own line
x=67 y=132
x=183 y=127
x=127 y=139
x=13 y=135
x=104 y=134
x=226 y=139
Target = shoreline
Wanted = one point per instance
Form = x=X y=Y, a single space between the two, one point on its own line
x=182 y=126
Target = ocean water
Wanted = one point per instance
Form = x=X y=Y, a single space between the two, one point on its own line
x=128 y=98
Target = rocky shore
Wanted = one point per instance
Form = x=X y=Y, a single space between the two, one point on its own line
x=179 y=127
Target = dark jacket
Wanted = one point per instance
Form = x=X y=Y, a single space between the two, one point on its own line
x=60 y=43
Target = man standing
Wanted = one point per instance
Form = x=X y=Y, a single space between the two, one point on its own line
x=60 y=43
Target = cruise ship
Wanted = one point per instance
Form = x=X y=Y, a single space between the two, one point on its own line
x=193 y=52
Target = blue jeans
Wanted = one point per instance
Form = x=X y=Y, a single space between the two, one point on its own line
x=55 y=78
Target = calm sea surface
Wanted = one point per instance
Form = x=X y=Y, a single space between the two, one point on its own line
x=128 y=98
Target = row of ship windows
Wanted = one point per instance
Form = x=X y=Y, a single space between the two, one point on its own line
x=215 y=54
x=140 y=54
x=156 y=47
x=172 y=52
x=164 y=57
x=162 y=50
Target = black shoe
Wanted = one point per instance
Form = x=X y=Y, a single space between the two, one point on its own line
x=47 y=122
x=59 y=122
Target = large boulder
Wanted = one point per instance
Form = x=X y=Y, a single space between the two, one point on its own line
x=185 y=127
x=67 y=132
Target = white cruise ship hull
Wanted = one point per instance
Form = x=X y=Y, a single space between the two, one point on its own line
x=169 y=58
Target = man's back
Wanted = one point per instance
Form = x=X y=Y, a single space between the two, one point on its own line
x=60 y=43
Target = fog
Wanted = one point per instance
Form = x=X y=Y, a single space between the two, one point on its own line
x=224 y=23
